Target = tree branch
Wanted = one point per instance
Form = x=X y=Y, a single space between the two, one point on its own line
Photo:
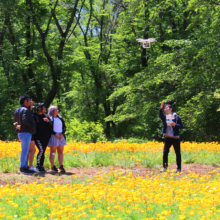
x=113 y=22
x=72 y=18
x=90 y=15
x=35 y=21
x=47 y=30
x=77 y=21
x=57 y=22
x=52 y=92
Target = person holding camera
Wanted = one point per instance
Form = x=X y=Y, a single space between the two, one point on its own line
x=171 y=125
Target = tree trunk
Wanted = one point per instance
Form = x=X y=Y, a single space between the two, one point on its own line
x=38 y=88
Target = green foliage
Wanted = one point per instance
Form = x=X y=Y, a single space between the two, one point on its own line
x=201 y=117
x=90 y=64
x=85 y=131
x=217 y=95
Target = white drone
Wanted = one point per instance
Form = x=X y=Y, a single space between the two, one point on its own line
x=146 y=42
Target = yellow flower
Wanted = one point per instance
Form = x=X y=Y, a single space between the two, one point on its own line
x=182 y=217
x=29 y=200
x=191 y=213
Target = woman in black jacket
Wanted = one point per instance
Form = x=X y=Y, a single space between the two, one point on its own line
x=42 y=135
x=57 y=140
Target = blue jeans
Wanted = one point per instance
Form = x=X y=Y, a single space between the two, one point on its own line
x=25 y=139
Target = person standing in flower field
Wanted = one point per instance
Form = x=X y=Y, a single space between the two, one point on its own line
x=27 y=124
x=57 y=140
x=171 y=125
x=42 y=135
x=32 y=150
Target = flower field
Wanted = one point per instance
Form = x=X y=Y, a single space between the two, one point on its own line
x=117 y=194
x=112 y=154
x=12 y=149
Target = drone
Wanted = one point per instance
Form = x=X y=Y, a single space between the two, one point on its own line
x=146 y=42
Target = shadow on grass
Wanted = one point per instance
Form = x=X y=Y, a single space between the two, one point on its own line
x=50 y=173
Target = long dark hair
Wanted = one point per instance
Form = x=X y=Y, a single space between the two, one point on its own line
x=39 y=106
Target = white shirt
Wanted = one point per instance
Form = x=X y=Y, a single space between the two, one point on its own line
x=169 y=119
x=57 y=125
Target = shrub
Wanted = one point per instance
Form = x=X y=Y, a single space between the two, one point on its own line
x=85 y=131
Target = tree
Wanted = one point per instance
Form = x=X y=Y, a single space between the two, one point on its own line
x=95 y=59
x=179 y=71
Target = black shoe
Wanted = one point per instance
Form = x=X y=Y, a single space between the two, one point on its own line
x=61 y=169
x=41 y=169
x=54 y=169
x=26 y=171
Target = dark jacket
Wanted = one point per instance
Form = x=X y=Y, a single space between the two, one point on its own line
x=24 y=118
x=43 y=129
x=63 y=125
x=177 y=120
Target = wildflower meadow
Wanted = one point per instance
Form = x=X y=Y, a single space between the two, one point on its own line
x=116 y=194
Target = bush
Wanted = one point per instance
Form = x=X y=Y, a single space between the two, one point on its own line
x=85 y=131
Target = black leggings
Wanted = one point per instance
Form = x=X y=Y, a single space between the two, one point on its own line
x=41 y=145
x=176 y=145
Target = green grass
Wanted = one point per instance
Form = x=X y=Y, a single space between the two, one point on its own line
x=123 y=158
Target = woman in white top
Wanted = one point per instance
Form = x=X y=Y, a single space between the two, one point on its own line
x=57 y=140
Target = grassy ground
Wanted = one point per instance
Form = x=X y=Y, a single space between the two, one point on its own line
x=118 y=158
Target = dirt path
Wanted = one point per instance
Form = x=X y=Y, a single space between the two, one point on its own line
x=88 y=173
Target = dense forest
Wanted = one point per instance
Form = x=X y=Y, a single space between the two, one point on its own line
x=82 y=55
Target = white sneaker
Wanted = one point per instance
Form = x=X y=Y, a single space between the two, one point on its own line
x=163 y=170
x=34 y=169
